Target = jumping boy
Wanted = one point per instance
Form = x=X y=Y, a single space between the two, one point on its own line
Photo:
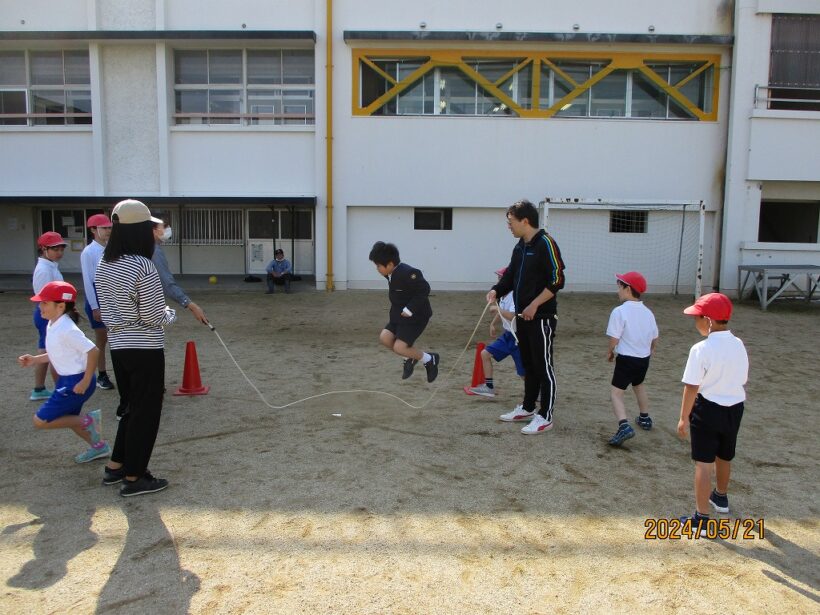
x=504 y=346
x=410 y=309
x=632 y=333
x=712 y=404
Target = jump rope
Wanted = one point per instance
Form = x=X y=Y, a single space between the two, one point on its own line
x=441 y=381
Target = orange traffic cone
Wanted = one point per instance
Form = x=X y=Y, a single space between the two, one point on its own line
x=478 y=369
x=191 y=382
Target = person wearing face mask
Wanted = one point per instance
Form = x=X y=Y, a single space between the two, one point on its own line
x=279 y=271
x=163 y=232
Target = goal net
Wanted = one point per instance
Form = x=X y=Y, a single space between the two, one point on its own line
x=664 y=241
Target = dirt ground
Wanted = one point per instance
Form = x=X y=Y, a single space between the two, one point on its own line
x=357 y=503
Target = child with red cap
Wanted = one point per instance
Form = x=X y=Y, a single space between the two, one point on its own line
x=74 y=357
x=712 y=404
x=100 y=227
x=632 y=333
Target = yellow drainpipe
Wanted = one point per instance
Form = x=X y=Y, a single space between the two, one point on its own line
x=329 y=143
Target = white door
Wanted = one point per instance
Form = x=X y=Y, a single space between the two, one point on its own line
x=289 y=228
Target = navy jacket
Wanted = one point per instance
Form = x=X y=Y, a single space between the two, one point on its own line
x=533 y=267
x=409 y=289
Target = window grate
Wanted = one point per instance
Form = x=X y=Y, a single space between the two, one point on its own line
x=211 y=227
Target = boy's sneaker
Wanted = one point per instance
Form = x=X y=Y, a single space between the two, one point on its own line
x=104 y=382
x=517 y=414
x=95 y=452
x=407 y=371
x=432 y=367
x=624 y=432
x=697 y=520
x=40 y=395
x=112 y=477
x=537 y=425
x=644 y=422
x=483 y=390
x=143 y=485
x=719 y=502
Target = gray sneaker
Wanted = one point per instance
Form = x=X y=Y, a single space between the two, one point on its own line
x=483 y=390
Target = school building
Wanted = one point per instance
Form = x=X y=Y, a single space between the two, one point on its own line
x=676 y=138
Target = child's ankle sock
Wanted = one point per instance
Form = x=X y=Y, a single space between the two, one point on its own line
x=623 y=422
x=644 y=414
x=489 y=383
x=425 y=358
x=99 y=445
x=38 y=389
x=86 y=420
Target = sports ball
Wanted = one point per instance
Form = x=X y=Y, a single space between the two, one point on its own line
x=212 y=279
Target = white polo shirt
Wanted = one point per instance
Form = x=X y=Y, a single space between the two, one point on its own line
x=89 y=260
x=46 y=271
x=720 y=366
x=633 y=325
x=67 y=346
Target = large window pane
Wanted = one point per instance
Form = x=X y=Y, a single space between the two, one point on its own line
x=225 y=102
x=264 y=67
x=297 y=66
x=266 y=102
x=224 y=67
x=609 y=96
x=13 y=102
x=191 y=67
x=580 y=74
x=457 y=93
x=191 y=101
x=298 y=225
x=77 y=68
x=46 y=67
x=12 y=68
x=647 y=99
x=48 y=102
x=78 y=101
x=298 y=103
x=699 y=90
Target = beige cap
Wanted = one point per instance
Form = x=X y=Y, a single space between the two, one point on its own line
x=130 y=211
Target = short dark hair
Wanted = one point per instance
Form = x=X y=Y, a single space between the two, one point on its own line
x=524 y=210
x=634 y=292
x=384 y=253
x=135 y=239
x=278 y=251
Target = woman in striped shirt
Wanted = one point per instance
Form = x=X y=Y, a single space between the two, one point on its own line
x=133 y=309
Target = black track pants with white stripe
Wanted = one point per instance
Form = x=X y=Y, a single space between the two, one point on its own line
x=535 y=339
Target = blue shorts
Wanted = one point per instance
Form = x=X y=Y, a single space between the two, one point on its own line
x=504 y=346
x=95 y=324
x=41 y=324
x=64 y=400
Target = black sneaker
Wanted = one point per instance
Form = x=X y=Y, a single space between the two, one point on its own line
x=409 y=364
x=103 y=382
x=146 y=484
x=719 y=502
x=112 y=477
x=432 y=367
x=644 y=422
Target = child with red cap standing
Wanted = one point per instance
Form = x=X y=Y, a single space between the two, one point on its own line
x=632 y=333
x=74 y=357
x=100 y=227
x=712 y=404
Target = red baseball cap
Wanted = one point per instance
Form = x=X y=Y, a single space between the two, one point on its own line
x=50 y=239
x=99 y=220
x=716 y=306
x=633 y=279
x=56 y=291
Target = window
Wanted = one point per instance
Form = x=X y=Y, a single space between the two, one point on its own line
x=211 y=227
x=794 y=73
x=621 y=221
x=45 y=88
x=245 y=87
x=447 y=82
x=789 y=222
x=433 y=219
x=281 y=223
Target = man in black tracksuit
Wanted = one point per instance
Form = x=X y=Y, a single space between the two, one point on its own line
x=535 y=275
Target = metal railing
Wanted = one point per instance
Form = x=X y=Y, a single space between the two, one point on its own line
x=795 y=98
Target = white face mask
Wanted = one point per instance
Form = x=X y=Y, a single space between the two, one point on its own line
x=167 y=233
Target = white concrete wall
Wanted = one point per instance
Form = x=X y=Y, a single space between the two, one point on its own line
x=38 y=15
x=255 y=14
x=45 y=161
x=784 y=145
x=126 y=14
x=212 y=259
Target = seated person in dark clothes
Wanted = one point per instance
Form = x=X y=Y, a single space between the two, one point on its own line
x=279 y=271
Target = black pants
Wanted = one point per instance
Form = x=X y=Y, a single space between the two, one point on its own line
x=535 y=339
x=140 y=375
x=285 y=279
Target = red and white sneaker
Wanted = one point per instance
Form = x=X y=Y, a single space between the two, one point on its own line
x=517 y=414
x=537 y=425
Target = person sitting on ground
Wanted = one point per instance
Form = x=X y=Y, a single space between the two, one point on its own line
x=279 y=271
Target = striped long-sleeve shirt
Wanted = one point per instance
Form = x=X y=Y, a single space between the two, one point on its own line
x=132 y=303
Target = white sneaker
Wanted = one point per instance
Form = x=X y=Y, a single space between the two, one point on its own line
x=537 y=425
x=517 y=414
x=483 y=390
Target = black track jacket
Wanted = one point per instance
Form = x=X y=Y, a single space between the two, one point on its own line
x=533 y=267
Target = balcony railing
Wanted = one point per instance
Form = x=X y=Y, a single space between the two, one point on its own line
x=793 y=98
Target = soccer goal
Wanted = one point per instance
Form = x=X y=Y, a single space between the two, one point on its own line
x=662 y=240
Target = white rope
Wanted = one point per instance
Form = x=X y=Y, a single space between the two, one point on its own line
x=355 y=391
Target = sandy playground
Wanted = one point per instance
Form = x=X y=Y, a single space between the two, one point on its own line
x=389 y=509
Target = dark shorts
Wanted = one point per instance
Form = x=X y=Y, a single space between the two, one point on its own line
x=504 y=346
x=41 y=324
x=407 y=332
x=64 y=400
x=95 y=324
x=629 y=370
x=713 y=430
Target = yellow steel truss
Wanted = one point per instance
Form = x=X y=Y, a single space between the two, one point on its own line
x=460 y=59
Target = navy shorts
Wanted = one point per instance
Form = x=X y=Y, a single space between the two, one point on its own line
x=406 y=332
x=713 y=430
x=504 y=346
x=64 y=400
x=41 y=324
x=629 y=370
x=95 y=324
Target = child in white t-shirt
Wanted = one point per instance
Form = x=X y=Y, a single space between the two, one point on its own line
x=632 y=333
x=74 y=357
